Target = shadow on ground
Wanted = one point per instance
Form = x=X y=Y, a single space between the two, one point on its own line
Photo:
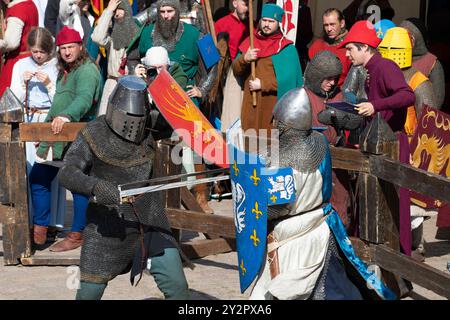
x=210 y=263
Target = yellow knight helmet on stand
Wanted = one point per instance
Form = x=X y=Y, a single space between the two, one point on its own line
x=397 y=46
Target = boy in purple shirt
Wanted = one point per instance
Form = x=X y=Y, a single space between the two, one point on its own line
x=387 y=93
x=386 y=88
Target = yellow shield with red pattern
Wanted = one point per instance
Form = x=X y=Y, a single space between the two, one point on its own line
x=187 y=120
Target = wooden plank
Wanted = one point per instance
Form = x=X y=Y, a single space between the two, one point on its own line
x=202 y=248
x=188 y=200
x=8 y=214
x=349 y=159
x=5 y=133
x=51 y=260
x=42 y=132
x=412 y=270
x=362 y=249
x=200 y=222
x=408 y=177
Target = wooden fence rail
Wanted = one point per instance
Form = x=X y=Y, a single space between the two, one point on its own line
x=376 y=163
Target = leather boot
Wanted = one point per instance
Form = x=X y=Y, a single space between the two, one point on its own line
x=39 y=234
x=72 y=241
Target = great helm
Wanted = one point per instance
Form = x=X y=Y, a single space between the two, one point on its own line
x=294 y=109
x=129 y=108
x=397 y=46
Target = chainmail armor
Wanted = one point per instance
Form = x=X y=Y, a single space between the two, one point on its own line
x=420 y=47
x=323 y=65
x=106 y=193
x=353 y=88
x=112 y=236
x=301 y=150
x=318 y=292
x=158 y=39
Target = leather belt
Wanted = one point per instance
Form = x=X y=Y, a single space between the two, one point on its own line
x=273 y=257
x=113 y=78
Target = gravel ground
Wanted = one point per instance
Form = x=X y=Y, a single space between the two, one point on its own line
x=215 y=277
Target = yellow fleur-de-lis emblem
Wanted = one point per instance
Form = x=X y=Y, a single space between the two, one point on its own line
x=243 y=269
x=256 y=210
x=235 y=168
x=273 y=198
x=255 y=178
x=254 y=238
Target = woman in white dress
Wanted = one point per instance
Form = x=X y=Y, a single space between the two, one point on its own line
x=33 y=83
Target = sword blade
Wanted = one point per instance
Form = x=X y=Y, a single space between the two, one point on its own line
x=169 y=178
x=167 y=186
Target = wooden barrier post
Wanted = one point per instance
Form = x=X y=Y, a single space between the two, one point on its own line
x=379 y=200
x=165 y=167
x=14 y=196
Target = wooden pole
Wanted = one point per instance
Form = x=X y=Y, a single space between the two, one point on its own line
x=210 y=20
x=253 y=65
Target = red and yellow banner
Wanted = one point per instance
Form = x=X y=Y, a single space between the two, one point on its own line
x=187 y=120
x=430 y=149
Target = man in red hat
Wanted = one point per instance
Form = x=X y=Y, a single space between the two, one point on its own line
x=78 y=88
x=387 y=93
x=386 y=88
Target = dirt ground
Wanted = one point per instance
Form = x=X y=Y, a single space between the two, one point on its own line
x=214 y=277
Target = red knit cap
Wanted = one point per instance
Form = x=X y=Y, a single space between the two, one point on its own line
x=363 y=32
x=67 y=35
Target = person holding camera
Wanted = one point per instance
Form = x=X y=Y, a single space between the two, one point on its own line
x=157 y=59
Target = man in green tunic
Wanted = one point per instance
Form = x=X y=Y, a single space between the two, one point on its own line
x=78 y=89
x=277 y=69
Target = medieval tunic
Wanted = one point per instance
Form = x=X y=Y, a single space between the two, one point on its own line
x=21 y=16
x=77 y=94
x=185 y=51
x=279 y=70
x=40 y=99
x=308 y=261
x=238 y=30
x=388 y=91
x=259 y=117
x=321 y=45
x=340 y=196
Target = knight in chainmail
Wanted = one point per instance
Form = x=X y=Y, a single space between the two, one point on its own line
x=191 y=11
x=115 y=149
x=302 y=258
x=425 y=61
x=321 y=79
x=116 y=40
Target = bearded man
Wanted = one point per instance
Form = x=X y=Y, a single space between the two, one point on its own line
x=179 y=38
x=277 y=69
x=117 y=44
x=180 y=41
